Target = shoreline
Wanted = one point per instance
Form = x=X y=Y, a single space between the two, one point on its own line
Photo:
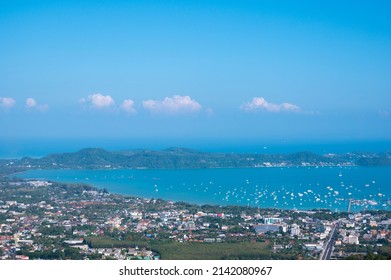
x=361 y=202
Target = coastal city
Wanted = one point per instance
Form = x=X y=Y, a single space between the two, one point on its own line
x=49 y=220
x=193 y=139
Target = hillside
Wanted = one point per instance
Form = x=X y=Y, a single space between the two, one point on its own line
x=94 y=158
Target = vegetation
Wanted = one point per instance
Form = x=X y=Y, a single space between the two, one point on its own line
x=185 y=158
x=42 y=221
x=110 y=242
x=370 y=256
x=212 y=251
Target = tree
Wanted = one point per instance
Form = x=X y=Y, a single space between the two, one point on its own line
x=72 y=254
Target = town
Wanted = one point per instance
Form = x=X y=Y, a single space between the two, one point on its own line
x=49 y=220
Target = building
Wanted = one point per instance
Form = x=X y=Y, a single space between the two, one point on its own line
x=373 y=223
x=295 y=230
x=262 y=229
x=314 y=246
x=352 y=239
x=190 y=225
x=272 y=221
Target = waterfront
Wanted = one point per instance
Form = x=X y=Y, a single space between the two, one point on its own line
x=284 y=188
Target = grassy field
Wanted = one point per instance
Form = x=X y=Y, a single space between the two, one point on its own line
x=107 y=242
x=192 y=250
x=212 y=251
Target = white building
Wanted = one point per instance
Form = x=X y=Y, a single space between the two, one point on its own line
x=295 y=230
x=352 y=239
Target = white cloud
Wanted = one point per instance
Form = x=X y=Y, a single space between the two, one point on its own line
x=99 y=101
x=128 y=106
x=260 y=103
x=31 y=103
x=175 y=104
x=7 y=102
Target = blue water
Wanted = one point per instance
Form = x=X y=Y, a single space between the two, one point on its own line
x=285 y=188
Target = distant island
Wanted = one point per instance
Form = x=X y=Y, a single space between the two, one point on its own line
x=181 y=158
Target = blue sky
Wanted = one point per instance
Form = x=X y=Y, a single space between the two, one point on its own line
x=179 y=72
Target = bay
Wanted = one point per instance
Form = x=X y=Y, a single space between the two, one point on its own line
x=285 y=188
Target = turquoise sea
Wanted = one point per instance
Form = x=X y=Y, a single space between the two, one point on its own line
x=287 y=188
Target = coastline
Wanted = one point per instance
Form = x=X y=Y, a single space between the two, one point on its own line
x=198 y=191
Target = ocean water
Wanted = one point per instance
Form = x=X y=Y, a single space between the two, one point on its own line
x=284 y=188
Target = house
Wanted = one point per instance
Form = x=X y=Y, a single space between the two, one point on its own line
x=352 y=239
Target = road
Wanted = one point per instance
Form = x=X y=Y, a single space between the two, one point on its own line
x=328 y=248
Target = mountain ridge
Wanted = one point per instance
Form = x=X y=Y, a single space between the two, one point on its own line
x=177 y=157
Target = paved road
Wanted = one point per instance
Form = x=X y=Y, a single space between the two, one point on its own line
x=328 y=248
